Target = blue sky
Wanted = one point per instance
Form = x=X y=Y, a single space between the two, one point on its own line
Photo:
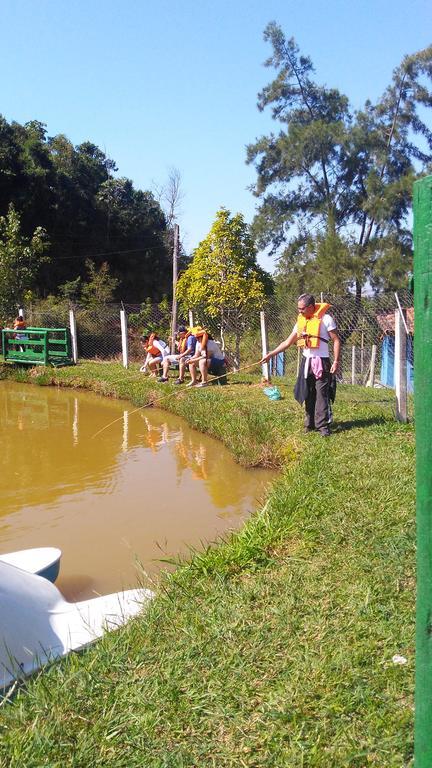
x=161 y=84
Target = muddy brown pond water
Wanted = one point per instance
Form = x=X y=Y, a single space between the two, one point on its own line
x=147 y=489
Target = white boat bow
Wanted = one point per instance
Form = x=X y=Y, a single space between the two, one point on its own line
x=37 y=625
x=43 y=561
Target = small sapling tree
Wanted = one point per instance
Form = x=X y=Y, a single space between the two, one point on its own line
x=224 y=283
x=20 y=260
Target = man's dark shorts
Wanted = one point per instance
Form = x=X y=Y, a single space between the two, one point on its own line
x=217 y=367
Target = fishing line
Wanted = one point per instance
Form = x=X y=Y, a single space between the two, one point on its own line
x=128 y=376
x=173 y=394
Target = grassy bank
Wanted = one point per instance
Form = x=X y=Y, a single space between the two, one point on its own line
x=275 y=648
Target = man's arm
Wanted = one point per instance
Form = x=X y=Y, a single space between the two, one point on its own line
x=336 y=350
x=183 y=354
x=196 y=357
x=292 y=339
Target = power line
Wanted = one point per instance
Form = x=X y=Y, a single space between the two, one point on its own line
x=107 y=253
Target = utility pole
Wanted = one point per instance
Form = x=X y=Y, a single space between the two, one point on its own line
x=174 y=298
x=422 y=206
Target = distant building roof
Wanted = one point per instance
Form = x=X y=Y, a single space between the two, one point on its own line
x=387 y=322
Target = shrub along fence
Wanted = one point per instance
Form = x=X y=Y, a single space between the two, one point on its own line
x=376 y=332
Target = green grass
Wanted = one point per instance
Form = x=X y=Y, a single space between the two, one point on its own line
x=274 y=648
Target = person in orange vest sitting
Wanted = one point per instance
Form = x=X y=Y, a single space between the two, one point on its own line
x=208 y=358
x=20 y=325
x=156 y=350
x=186 y=348
x=316 y=379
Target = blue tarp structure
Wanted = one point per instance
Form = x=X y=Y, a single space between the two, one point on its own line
x=277 y=365
x=387 y=362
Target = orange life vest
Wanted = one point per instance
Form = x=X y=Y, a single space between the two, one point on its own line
x=183 y=343
x=19 y=325
x=308 y=330
x=150 y=348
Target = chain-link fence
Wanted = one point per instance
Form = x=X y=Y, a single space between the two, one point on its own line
x=98 y=331
x=366 y=328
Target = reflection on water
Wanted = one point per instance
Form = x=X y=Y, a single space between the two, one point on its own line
x=146 y=489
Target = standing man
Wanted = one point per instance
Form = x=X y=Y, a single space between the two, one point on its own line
x=312 y=332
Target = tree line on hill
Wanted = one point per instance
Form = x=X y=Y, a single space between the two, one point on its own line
x=88 y=216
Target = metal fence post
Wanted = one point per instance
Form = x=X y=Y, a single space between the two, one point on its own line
x=73 y=333
x=264 y=345
x=400 y=367
x=422 y=205
x=353 y=365
x=124 y=338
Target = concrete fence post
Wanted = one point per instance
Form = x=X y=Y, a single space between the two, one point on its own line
x=73 y=333
x=400 y=368
x=264 y=345
x=124 y=338
x=371 y=378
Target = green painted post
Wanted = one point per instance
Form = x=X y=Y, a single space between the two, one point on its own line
x=423 y=417
x=45 y=348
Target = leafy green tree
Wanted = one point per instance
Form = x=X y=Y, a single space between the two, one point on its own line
x=224 y=282
x=99 y=290
x=332 y=177
x=71 y=290
x=316 y=263
x=20 y=260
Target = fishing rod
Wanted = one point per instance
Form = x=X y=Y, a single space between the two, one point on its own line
x=155 y=403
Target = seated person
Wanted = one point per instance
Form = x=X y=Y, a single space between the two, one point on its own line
x=156 y=350
x=209 y=358
x=186 y=347
x=20 y=325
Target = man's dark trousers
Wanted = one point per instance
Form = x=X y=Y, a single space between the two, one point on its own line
x=317 y=399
